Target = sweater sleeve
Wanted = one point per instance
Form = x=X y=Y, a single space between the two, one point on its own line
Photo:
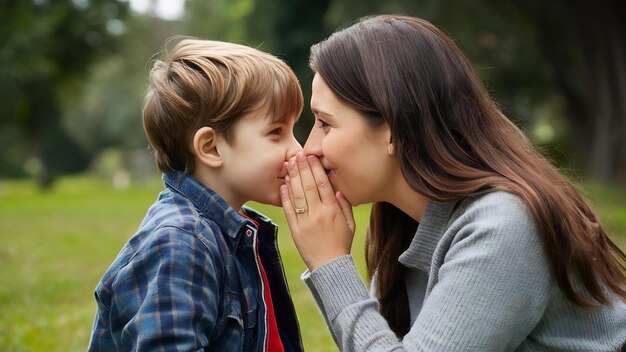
x=350 y=311
x=490 y=283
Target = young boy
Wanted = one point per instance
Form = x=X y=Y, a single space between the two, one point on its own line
x=202 y=271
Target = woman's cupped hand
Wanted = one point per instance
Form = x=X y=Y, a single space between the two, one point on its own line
x=320 y=220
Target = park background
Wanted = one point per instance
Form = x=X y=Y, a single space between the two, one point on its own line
x=76 y=176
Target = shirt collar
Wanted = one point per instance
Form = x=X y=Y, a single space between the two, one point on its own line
x=210 y=204
x=429 y=232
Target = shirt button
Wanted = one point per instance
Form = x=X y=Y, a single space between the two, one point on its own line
x=248 y=232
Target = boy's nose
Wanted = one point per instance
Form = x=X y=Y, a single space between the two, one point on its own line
x=294 y=148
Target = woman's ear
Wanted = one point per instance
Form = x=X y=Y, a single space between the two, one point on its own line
x=391 y=149
x=205 y=147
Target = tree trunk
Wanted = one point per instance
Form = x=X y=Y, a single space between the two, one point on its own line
x=585 y=44
x=40 y=120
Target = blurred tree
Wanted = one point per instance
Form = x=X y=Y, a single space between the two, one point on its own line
x=46 y=48
x=219 y=20
x=108 y=113
x=584 y=44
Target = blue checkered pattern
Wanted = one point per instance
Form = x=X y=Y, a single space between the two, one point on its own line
x=188 y=279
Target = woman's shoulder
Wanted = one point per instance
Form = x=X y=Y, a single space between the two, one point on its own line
x=499 y=226
x=495 y=205
x=501 y=212
x=500 y=198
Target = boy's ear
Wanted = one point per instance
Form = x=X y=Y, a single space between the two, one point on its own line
x=205 y=147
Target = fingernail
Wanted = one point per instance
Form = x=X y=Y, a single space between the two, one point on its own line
x=283 y=189
x=292 y=164
x=311 y=158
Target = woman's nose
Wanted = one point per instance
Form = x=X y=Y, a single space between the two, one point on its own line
x=312 y=146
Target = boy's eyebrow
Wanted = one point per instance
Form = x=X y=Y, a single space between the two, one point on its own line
x=271 y=122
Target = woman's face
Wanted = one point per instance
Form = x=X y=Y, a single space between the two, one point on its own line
x=355 y=155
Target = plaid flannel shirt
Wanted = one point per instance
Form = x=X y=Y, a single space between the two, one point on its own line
x=189 y=279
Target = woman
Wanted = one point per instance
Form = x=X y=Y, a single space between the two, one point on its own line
x=475 y=241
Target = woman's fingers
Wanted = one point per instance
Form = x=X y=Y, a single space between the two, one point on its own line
x=289 y=192
x=327 y=230
x=295 y=187
x=308 y=181
x=346 y=210
x=288 y=208
x=321 y=180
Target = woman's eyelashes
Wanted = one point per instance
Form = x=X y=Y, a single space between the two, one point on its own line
x=322 y=124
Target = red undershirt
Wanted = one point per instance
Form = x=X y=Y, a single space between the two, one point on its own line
x=274 y=343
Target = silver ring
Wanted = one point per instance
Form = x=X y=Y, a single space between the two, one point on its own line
x=301 y=210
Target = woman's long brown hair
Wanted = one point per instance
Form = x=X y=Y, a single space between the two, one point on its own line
x=452 y=141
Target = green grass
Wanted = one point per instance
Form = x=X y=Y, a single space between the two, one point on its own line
x=55 y=246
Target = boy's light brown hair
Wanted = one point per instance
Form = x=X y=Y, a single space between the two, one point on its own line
x=211 y=83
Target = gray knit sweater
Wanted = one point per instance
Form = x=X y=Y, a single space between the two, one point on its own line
x=478 y=281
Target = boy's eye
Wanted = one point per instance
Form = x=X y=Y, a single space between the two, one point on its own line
x=276 y=131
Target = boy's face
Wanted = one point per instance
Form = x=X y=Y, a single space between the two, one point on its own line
x=254 y=161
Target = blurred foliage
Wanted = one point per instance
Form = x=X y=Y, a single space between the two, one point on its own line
x=46 y=48
x=73 y=73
